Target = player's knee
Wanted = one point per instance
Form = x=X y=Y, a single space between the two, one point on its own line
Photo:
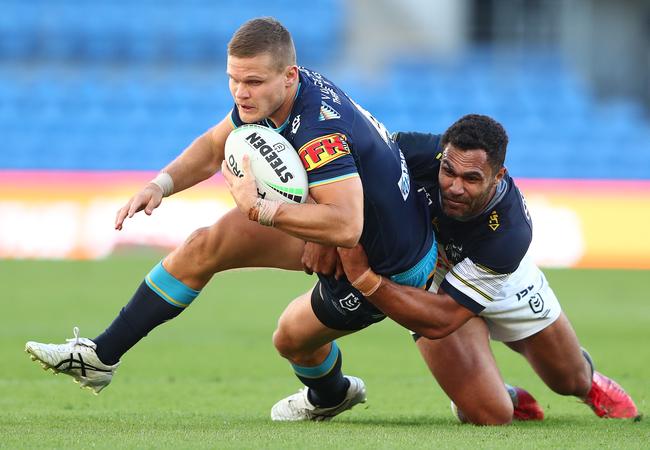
x=489 y=415
x=287 y=343
x=283 y=343
x=201 y=248
x=578 y=384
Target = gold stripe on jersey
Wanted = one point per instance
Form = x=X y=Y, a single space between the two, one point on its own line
x=488 y=270
x=470 y=285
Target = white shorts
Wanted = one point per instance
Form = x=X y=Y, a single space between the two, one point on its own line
x=521 y=316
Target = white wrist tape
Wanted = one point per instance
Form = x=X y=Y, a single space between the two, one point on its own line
x=164 y=181
x=264 y=211
x=367 y=283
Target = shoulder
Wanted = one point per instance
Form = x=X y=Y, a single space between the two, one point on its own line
x=320 y=131
x=322 y=117
x=319 y=99
x=422 y=152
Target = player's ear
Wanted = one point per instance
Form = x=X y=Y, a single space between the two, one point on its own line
x=500 y=174
x=290 y=75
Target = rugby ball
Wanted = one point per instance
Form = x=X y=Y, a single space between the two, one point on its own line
x=276 y=165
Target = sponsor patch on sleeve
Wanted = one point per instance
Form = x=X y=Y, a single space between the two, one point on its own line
x=320 y=151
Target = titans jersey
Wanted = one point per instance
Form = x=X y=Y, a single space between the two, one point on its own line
x=484 y=259
x=337 y=139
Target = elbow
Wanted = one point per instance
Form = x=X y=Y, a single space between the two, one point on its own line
x=350 y=234
x=349 y=238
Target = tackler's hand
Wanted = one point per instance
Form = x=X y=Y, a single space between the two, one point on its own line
x=354 y=260
x=321 y=259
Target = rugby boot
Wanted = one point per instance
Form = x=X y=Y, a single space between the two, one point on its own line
x=608 y=399
x=298 y=407
x=525 y=405
x=76 y=358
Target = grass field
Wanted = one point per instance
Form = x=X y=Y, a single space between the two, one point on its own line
x=209 y=378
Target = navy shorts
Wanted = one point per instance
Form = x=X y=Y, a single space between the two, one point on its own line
x=341 y=307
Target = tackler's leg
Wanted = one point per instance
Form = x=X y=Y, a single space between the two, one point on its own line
x=566 y=368
x=465 y=368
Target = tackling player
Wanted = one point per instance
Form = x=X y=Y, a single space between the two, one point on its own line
x=487 y=285
x=361 y=185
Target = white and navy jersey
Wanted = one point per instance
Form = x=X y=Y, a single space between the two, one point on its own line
x=337 y=139
x=483 y=260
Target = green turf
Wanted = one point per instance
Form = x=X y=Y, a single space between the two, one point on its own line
x=209 y=378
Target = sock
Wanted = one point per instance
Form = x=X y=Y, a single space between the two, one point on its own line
x=326 y=383
x=159 y=298
x=587 y=356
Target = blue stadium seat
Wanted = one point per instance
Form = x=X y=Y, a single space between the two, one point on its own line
x=127 y=85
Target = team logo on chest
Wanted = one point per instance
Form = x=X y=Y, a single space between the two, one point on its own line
x=493 y=221
x=454 y=251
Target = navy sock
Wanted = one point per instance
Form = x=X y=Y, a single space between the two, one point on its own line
x=587 y=356
x=326 y=383
x=158 y=299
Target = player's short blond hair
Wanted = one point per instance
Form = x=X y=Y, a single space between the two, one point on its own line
x=264 y=35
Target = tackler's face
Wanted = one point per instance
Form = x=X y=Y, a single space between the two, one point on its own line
x=258 y=88
x=467 y=182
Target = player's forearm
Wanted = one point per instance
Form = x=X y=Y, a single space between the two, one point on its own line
x=198 y=162
x=430 y=315
x=321 y=223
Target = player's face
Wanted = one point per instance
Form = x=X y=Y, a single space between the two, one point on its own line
x=261 y=91
x=467 y=182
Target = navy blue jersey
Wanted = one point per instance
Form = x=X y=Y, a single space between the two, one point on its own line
x=337 y=139
x=494 y=242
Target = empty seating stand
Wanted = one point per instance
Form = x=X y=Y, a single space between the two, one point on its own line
x=126 y=85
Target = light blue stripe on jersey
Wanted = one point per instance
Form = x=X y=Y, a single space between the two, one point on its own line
x=323 y=368
x=333 y=180
x=169 y=288
x=418 y=275
x=232 y=122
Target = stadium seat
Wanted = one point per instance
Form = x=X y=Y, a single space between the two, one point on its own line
x=135 y=81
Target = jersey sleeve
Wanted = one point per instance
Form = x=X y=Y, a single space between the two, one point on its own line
x=422 y=152
x=472 y=285
x=504 y=253
x=325 y=153
x=478 y=279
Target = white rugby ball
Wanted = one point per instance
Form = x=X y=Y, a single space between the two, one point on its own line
x=275 y=163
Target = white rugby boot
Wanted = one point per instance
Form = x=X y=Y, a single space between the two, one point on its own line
x=76 y=358
x=298 y=407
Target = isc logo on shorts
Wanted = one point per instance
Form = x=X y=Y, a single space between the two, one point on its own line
x=318 y=152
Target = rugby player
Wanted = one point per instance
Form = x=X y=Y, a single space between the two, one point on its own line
x=360 y=183
x=486 y=285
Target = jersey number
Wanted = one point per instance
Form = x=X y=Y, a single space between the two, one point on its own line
x=381 y=129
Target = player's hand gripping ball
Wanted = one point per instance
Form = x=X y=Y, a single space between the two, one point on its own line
x=277 y=168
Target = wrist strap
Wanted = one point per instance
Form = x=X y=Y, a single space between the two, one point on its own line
x=165 y=182
x=367 y=283
x=263 y=211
